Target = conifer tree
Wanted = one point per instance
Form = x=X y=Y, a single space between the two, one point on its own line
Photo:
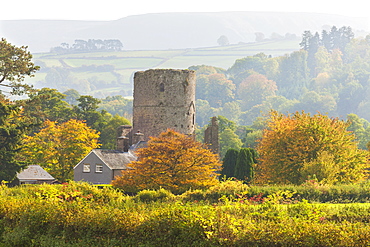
x=251 y=164
x=244 y=165
x=229 y=163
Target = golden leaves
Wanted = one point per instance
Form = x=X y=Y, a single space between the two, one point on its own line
x=59 y=147
x=173 y=161
x=293 y=146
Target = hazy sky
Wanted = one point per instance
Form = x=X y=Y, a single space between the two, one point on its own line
x=116 y=9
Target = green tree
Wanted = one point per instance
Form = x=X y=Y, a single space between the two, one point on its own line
x=71 y=96
x=229 y=163
x=224 y=123
x=108 y=134
x=12 y=128
x=204 y=112
x=294 y=144
x=251 y=138
x=294 y=76
x=231 y=110
x=15 y=64
x=117 y=105
x=47 y=103
x=223 y=40
x=244 y=67
x=218 y=90
x=360 y=128
x=87 y=110
x=313 y=102
x=228 y=139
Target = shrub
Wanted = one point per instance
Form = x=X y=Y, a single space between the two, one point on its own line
x=229 y=188
x=154 y=195
x=193 y=195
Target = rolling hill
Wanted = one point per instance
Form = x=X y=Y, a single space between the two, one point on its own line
x=108 y=73
x=170 y=30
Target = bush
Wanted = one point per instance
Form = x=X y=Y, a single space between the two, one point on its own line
x=320 y=194
x=80 y=215
x=229 y=188
x=193 y=196
x=154 y=195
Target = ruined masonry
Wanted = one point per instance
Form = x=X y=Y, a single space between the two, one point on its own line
x=211 y=136
x=164 y=99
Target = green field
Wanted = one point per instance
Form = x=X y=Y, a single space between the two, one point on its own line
x=126 y=63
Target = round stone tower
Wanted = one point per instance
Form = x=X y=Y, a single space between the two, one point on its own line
x=164 y=99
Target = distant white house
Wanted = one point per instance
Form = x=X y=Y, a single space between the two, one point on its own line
x=35 y=174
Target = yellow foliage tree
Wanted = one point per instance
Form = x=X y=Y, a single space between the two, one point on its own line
x=59 y=147
x=299 y=146
x=172 y=161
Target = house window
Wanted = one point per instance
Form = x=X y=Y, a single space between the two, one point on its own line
x=99 y=168
x=86 y=168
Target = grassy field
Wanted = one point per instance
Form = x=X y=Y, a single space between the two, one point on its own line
x=126 y=63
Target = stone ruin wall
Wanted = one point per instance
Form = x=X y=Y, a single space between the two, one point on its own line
x=164 y=98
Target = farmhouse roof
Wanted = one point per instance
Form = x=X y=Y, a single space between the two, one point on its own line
x=34 y=172
x=115 y=159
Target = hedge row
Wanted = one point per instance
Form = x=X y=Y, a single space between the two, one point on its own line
x=82 y=215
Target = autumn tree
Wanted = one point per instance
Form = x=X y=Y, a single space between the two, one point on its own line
x=59 y=147
x=172 y=161
x=255 y=89
x=298 y=146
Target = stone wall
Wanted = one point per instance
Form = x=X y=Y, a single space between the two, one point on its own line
x=163 y=99
x=211 y=136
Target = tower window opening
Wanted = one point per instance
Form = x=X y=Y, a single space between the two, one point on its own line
x=161 y=87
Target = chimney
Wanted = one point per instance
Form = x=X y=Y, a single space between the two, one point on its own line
x=123 y=142
x=138 y=136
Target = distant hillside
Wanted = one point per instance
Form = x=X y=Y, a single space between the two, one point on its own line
x=170 y=30
x=110 y=73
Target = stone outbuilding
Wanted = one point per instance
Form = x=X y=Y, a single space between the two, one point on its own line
x=35 y=174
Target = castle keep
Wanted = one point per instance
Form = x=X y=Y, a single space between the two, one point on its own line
x=163 y=99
